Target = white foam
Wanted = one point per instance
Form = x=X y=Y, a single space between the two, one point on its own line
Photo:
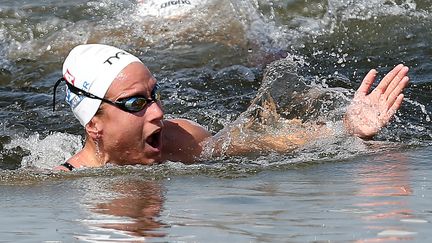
x=369 y=9
x=48 y=152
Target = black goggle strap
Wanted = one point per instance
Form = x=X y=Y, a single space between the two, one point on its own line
x=77 y=91
x=154 y=95
x=55 y=89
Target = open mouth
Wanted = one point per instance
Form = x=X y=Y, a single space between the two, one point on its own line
x=154 y=139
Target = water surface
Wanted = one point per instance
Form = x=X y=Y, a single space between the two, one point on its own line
x=210 y=64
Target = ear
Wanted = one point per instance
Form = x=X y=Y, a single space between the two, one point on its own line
x=94 y=128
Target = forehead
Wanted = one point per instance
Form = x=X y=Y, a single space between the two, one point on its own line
x=134 y=77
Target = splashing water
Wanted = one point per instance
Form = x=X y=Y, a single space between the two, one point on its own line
x=48 y=152
x=210 y=64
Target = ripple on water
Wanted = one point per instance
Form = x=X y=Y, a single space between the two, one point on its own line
x=396 y=233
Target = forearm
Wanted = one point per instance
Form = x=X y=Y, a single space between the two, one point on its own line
x=283 y=137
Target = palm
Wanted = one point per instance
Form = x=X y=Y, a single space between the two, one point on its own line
x=368 y=113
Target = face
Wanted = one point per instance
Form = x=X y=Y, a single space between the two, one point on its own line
x=132 y=138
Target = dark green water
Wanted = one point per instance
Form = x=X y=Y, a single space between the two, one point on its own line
x=210 y=65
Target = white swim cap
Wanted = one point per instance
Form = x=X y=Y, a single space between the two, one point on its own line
x=92 y=67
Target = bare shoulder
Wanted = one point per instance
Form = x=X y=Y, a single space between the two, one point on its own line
x=191 y=127
x=182 y=140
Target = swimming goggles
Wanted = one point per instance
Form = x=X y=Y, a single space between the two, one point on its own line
x=129 y=104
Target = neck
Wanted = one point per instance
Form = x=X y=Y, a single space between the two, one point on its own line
x=91 y=155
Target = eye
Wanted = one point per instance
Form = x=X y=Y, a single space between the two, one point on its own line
x=135 y=103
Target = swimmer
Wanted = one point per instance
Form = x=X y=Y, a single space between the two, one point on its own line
x=116 y=99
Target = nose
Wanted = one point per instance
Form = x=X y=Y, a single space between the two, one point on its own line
x=155 y=112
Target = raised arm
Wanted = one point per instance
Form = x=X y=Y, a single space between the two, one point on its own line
x=265 y=131
x=369 y=112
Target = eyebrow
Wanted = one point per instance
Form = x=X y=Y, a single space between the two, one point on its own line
x=150 y=97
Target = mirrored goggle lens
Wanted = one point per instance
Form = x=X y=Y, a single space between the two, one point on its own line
x=138 y=103
x=135 y=103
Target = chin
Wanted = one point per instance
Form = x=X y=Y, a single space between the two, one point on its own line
x=157 y=159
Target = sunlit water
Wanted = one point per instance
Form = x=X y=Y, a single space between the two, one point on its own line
x=210 y=61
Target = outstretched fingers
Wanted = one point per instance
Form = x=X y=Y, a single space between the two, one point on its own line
x=378 y=107
x=395 y=107
x=396 y=80
x=367 y=82
x=391 y=79
x=397 y=90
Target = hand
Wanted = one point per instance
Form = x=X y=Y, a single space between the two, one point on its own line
x=368 y=113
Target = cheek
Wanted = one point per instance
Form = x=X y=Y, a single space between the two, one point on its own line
x=124 y=130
